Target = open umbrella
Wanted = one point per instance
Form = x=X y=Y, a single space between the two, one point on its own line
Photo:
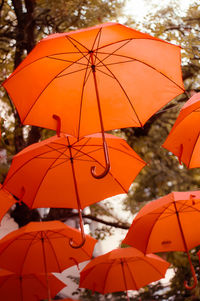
x=6 y=201
x=94 y=79
x=122 y=270
x=43 y=247
x=170 y=223
x=29 y=287
x=183 y=140
x=55 y=172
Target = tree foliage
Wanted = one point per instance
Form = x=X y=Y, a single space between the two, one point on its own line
x=23 y=24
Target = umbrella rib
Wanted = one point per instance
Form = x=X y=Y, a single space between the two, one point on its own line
x=41 y=181
x=86 y=76
x=133 y=280
x=72 y=72
x=72 y=40
x=38 y=279
x=44 y=89
x=180 y=228
x=110 y=147
x=189 y=206
x=67 y=61
x=159 y=214
x=58 y=150
x=43 y=57
x=106 y=276
x=26 y=253
x=96 y=161
x=84 y=79
x=124 y=152
x=83 y=153
x=123 y=92
x=113 y=53
x=21 y=166
x=191 y=155
x=50 y=244
x=160 y=41
x=98 y=36
x=157 y=270
x=82 y=146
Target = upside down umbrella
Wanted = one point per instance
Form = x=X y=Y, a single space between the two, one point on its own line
x=31 y=287
x=56 y=172
x=183 y=140
x=122 y=270
x=99 y=78
x=6 y=201
x=170 y=223
x=43 y=247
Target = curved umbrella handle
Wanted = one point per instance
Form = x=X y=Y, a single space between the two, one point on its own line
x=71 y=242
x=107 y=160
x=194 y=277
x=58 y=120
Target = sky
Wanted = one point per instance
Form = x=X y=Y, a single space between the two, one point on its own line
x=139 y=8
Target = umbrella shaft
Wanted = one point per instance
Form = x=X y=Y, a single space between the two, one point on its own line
x=45 y=269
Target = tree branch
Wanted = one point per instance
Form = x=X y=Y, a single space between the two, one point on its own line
x=119 y=225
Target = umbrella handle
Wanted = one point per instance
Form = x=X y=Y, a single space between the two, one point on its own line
x=107 y=160
x=194 y=278
x=180 y=155
x=58 y=120
x=71 y=243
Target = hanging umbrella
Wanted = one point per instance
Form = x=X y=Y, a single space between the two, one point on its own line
x=122 y=270
x=99 y=78
x=6 y=201
x=29 y=287
x=183 y=140
x=170 y=223
x=55 y=172
x=43 y=247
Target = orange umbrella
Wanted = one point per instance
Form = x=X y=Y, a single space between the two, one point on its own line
x=29 y=287
x=99 y=78
x=170 y=223
x=122 y=270
x=6 y=201
x=183 y=140
x=55 y=172
x=43 y=247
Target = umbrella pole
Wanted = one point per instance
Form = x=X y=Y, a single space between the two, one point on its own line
x=45 y=267
x=75 y=246
x=188 y=254
x=105 y=147
x=122 y=265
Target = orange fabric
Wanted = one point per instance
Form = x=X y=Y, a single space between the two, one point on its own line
x=122 y=270
x=21 y=250
x=136 y=75
x=44 y=170
x=156 y=229
x=183 y=140
x=33 y=286
x=6 y=201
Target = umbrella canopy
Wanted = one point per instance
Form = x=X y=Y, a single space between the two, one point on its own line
x=170 y=223
x=30 y=287
x=122 y=270
x=56 y=171
x=183 y=140
x=99 y=78
x=6 y=201
x=43 y=247
x=57 y=77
